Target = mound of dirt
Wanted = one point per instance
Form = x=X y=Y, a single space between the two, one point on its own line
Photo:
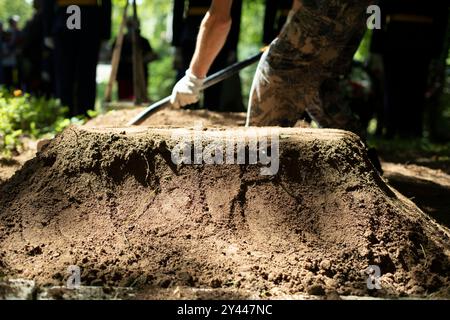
x=175 y=117
x=113 y=202
x=8 y=166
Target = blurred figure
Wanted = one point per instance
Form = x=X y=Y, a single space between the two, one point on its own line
x=32 y=54
x=76 y=51
x=125 y=70
x=11 y=42
x=412 y=34
x=275 y=16
x=187 y=17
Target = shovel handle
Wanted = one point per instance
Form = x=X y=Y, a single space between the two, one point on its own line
x=210 y=81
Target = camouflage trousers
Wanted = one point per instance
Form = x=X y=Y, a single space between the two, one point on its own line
x=301 y=69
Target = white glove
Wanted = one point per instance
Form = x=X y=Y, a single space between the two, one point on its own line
x=187 y=90
x=49 y=42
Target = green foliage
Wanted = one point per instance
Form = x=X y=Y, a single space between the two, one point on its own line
x=250 y=40
x=24 y=115
x=364 y=48
x=154 y=16
x=21 y=8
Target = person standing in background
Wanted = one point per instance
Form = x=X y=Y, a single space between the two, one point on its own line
x=125 y=70
x=11 y=42
x=31 y=53
x=412 y=35
x=187 y=17
x=76 y=51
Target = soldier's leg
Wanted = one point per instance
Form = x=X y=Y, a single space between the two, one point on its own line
x=276 y=98
x=336 y=111
x=316 y=44
x=66 y=50
x=332 y=109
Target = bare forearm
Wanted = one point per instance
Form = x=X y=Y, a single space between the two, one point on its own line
x=212 y=36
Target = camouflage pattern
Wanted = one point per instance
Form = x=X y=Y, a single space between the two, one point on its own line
x=301 y=69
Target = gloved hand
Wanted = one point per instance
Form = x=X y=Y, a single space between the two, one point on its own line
x=187 y=90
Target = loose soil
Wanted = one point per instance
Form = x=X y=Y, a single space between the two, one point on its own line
x=111 y=201
x=171 y=116
x=8 y=166
x=426 y=187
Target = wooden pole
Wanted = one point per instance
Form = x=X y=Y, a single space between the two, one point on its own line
x=115 y=60
x=140 y=90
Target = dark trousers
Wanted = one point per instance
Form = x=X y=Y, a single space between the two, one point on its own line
x=76 y=57
x=227 y=95
x=8 y=77
x=405 y=84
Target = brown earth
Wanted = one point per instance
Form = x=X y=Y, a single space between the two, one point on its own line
x=8 y=166
x=428 y=188
x=112 y=202
x=171 y=116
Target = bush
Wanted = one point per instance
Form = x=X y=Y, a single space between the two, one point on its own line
x=27 y=116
